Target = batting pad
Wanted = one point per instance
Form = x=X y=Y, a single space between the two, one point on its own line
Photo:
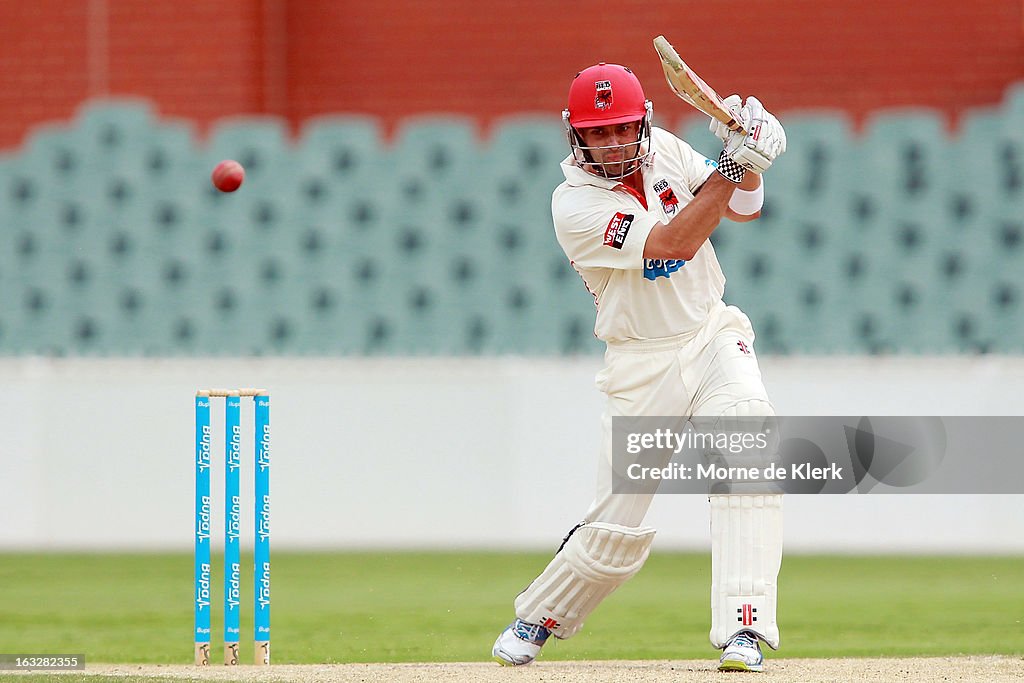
x=595 y=560
x=746 y=555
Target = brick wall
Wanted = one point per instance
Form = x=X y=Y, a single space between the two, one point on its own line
x=43 y=63
x=197 y=59
x=208 y=58
x=200 y=59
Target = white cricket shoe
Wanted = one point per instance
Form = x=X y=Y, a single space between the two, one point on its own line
x=519 y=643
x=742 y=653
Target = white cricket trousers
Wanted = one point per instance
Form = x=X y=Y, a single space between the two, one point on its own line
x=701 y=373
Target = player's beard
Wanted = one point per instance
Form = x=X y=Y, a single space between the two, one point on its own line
x=626 y=166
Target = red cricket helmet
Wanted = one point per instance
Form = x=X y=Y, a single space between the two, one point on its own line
x=606 y=95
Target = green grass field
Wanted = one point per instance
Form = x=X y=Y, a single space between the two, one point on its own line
x=432 y=607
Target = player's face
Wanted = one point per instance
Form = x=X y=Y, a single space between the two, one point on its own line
x=612 y=144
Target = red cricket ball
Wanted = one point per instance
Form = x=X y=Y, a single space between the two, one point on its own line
x=228 y=175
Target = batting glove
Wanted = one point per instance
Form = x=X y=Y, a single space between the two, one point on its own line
x=764 y=142
x=719 y=129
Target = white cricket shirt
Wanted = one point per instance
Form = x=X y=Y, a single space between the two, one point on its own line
x=603 y=226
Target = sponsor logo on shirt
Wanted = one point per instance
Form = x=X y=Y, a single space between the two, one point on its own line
x=669 y=201
x=656 y=267
x=618 y=228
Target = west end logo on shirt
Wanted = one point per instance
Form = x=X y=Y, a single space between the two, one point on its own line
x=669 y=201
x=656 y=267
x=618 y=228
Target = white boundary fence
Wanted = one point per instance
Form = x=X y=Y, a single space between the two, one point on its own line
x=443 y=453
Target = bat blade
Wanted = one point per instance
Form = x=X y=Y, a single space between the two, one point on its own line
x=691 y=88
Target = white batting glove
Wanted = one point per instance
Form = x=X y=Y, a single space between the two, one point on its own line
x=764 y=142
x=719 y=129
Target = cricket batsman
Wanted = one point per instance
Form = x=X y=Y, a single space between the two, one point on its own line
x=634 y=216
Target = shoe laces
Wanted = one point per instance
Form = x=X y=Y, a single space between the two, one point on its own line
x=745 y=639
x=533 y=633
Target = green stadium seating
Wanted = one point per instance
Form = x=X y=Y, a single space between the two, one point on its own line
x=432 y=154
x=522 y=157
x=51 y=157
x=813 y=172
x=1013 y=103
x=984 y=176
x=260 y=143
x=169 y=157
x=109 y=132
x=338 y=157
x=8 y=257
x=904 y=160
x=899 y=240
x=694 y=130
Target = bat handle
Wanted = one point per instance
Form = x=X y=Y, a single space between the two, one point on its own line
x=736 y=126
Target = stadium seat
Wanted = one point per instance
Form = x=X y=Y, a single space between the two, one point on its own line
x=329 y=322
x=904 y=160
x=694 y=130
x=987 y=174
x=50 y=147
x=8 y=169
x=813 y=172
x=1004 y=309
x=530 y=143
x=43 y=323
x=993 y=266
x=338 y=156
x=433 y=153
x=571 y=307
x=525 y=152
x=1013 y=102
x=521 y=322
x=342 y=145
x=920 y=320
x=902 y=240
x=260 y=143
x=109 y=132
x=168 y=154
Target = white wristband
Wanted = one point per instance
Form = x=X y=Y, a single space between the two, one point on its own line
x=747 y=202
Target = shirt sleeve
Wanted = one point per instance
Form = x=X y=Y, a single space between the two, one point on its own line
x=598 y=231
x=697 y=168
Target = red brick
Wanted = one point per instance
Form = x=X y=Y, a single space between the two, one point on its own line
x=206 y=59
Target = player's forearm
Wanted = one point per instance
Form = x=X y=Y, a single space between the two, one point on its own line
x=691 y=227
x=747 y=200
x=751 y=181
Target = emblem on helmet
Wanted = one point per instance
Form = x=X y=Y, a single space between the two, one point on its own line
x=603 y=97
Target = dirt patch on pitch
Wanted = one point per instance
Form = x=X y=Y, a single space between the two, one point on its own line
x=995 y=669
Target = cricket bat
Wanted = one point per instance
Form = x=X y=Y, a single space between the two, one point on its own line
x=691 y=88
